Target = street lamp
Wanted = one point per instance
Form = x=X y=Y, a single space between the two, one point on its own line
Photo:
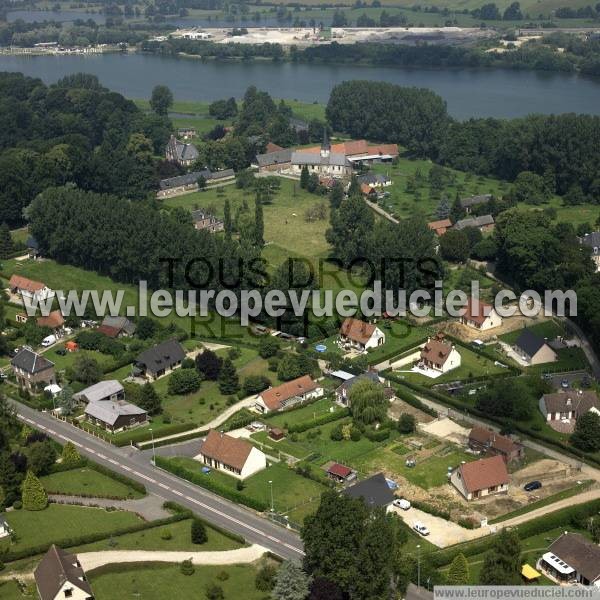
x=271 y=486
x=418 y=565
x=153 y=451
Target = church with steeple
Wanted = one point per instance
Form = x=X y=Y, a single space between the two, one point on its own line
x=325 y=164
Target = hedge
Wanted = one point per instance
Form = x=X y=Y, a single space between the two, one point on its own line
x=327 y=418
x=132 y=483
x=432 y=510
x=210 y=484
x=180 y=438
x=407 y=397
x=88 y=538
x=144 y=435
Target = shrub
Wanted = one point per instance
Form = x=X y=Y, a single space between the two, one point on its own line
x=222 y=575
x=184 y=381
x=33 y=493
x=407 y=423
x=187 y=363
x=265 y=578
x=214 y=592
x=17 y=505
x=268 y=347
x=186 y=567
x=70 y=456
x=198 y=532
x=165 y=534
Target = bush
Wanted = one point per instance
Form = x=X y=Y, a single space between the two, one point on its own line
x=214 y=592
x=268 y=347
x=186 y=567
x=265 y=578
x=323 y=420
x=222 y=575
x=407 y=423
x=17 y=505
x=184 y=381
x=198 y=532
x=165 y=534
x=33 y=493
x=187 y=363
x=254 y=384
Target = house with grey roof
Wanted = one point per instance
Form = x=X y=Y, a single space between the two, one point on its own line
x=182 y=153
x=203 y=220
x=115 y=415
x=324 y=163
x=60 y=575
x=592 y=241
x=534 y=349
x=159 y=360
x=483 y=223
x=32 y=370
x=173 y=186
x=117 y=326
x=279 y=160
x=374 y=180
x=468 y=203
x=110 y=390
x=374 y=491
x=569 y=405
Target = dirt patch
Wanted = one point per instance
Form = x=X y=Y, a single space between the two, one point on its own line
x=468 y=334
x=447 y=429
x=398 y=407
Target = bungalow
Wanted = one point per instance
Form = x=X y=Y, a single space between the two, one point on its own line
x=159 y=360
x=467 y=204
x=439 y=355
x=288 y=394
x=568 y=405
x=205 y=221
x=28 y=289
x=494 y=444
x=110 y=390
x=115 y=415
x=342 y=392
x=182 y=153
x=440 y=227
x=534 y=349
x=54 y=321
x=231 y=455
x=181 y=184
x=480 y=315
x=361 y=335
x=481 y=478
x=340 y=473
x=592 y=241
x=114 y=327
x=60 y=575
x=374 y=491
x=572 y=558
x=33 y=371
x=4 y=527
x=483 y=223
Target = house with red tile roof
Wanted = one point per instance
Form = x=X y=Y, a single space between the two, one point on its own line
x=440 y=227
x=439 y=355
x=481 y=478
x=233 y=456
x=361 y=335
x=288 y=394
x=29 y=289
x=480 y=315
x=340 y=473
x=489 y=442
x=54 y=320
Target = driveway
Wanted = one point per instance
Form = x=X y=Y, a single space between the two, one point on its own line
x=442 y=533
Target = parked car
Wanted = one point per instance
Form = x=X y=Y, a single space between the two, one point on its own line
x=61 y=352
x=48 y=341
x=402 y=503
x=420 y=528
x=532 y=485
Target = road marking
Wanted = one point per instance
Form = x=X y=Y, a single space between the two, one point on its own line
x=101 y=456
x=112 y=461
x=162 y=485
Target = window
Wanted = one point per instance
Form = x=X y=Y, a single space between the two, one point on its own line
x=69 y=593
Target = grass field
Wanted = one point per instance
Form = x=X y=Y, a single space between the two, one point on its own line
x=58 y=522
x=152 y=539
x=87 y=482
x=302 y=415
x=433 y=471
x=160 y=581
x=547 y=329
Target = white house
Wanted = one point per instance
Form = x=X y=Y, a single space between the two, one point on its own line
x=480 y=315
x=361 y=335
x=481 y=478
x=4 y=527
x=231 y=455
x=60 y=575
x=288 y=394
x=29 y=289
x=439 y=355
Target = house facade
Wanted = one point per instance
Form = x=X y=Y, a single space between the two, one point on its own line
x=480 y=315
x=115 y=327
x=159 y=360
x=205 y=221
x=440 y=227
x=54 y=320
x=439 y=355
x=325 y=163
x=33 y=371
x=481 y=478
x=572 y=559
x=361 y=335
x=568 y=405
x=492 y=443
x=288 y=394
x=175 y=186
x=592 y=241
x=534 y=349
x=60 y=575
x=231 y=455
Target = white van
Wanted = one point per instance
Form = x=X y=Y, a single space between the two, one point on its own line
x=48 y=341
x=402 y=503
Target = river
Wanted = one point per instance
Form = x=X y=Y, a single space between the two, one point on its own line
x=468 y=92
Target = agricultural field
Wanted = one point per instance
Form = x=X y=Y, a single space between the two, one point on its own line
x=87 y=482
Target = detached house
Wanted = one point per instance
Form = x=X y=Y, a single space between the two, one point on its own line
x=592 y=241
x=534 y=349
x=480 y=315
x=342 y=392
x=568 y=405
x=361 y=335
x=492 y=443
x=28 y=289
x=572 y=559
x=182 y=153
x=231 y=455
x=103 y=390
x=374 y=491
x=288 y=394
x=54 y=321
x=60 y=575
x=203 y=220
x=483 y=223
x=440 y=227
x=468 y=203
x=33 y=371
x=115 y=327
x=159 y=360
x=481 y=478
x=115 y=415
x=439 y=355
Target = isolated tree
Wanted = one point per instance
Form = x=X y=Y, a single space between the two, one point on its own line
x=229 y=382
x=407 y=423
x=291 y=583
x=304 y=177
x=33 y=493
x=208 y=364
x=145 y=328
x=161 y=99
x=198 y=532
x=443 y=209
x=41 y=456
x=586 y=436
x=458 y=574
x=367 y=402
x=69 y=455
x=184 y=381
x=149 y=399
x=214 y=592
x=6 y=243
x=186 y=567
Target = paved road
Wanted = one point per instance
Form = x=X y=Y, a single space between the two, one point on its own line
x=130 y=462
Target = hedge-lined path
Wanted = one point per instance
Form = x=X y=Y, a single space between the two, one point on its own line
x=93 y=560
x=149 y=507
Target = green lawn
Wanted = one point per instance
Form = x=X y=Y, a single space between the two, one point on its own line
x=152 y=539
x=87 y=482
x=433 y=471
x=149 y=581
x=547 y=329
x=302 y=415
x=59 y=522
x=289 y=489
x=9 y=590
